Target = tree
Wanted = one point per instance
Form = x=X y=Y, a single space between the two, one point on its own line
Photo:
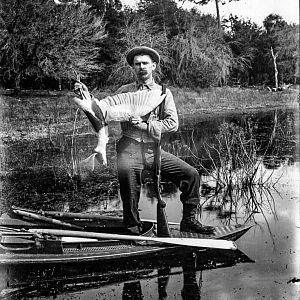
x=163 y=13
x=204 y=2
x=287 y=47
x=281 y=48
x=201 y=56
x=137 y=31
x=273 y=22
x=42 y=39
x=243 y=36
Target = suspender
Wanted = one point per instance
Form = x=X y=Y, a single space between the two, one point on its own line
x=163 y=89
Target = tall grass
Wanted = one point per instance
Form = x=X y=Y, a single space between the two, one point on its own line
x=235 y=177
x=225 y=98
x=44 y=138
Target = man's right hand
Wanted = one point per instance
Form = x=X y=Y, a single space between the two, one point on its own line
x=84 y=101
x=81 y=90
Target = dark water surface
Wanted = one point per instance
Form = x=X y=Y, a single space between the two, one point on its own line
x=273 y=243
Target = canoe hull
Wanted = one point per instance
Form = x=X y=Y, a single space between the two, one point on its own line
x=81 y=252
x=18 y=246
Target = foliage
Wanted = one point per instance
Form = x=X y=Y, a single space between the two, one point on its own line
x=166 y=16
x=286 y=42
x=201 y=57
x=137 y=31
x=243 y=38
x=43 y=43
x=273 y=22
x=41 y=39
x=204 y=2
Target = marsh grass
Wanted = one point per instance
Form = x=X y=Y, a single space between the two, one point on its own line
x=225 y=98
x=235 y=179
x=43 y=138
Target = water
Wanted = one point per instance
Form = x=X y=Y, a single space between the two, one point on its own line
x=273 y=244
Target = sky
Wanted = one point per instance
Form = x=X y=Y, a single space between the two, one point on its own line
x=254 y=10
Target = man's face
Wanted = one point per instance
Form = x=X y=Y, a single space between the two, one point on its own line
x=143 y=67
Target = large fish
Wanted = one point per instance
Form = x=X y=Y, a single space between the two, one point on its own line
x=120 y=107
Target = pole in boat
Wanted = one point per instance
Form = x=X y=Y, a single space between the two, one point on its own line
x=189 y=242
x=83 y=216
x=45 y=219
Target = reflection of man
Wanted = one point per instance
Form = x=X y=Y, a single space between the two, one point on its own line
x=132 y=290
x=136 y=148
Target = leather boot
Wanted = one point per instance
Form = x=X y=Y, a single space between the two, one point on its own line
x=136 y=230
x=189 y=223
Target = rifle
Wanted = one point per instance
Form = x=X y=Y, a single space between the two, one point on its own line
x=162 y=222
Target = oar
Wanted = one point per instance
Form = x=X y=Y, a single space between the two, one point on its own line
x=45 y=219
x=190 y=242
x=94 y=216
x=83 y=216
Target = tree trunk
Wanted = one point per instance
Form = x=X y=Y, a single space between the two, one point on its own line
x=18 y=82
x=218 y=13
x=275 y=67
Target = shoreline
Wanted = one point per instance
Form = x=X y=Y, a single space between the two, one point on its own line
x=42 y=106
x=238 y=110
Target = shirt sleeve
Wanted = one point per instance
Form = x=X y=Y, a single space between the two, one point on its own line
x=169 y=123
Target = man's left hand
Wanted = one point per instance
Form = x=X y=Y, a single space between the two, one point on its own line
x=138 y=123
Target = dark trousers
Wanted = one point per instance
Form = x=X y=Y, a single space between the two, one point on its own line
x=133 y=157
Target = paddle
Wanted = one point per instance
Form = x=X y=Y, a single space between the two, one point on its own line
x=91 y=216
x=45 y=219
x=190 y=242
x=80 y=216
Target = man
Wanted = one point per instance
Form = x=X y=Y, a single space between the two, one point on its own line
x=136 y=149
x=137 y=146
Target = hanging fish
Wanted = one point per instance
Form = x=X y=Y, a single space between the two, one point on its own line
x=120 y=107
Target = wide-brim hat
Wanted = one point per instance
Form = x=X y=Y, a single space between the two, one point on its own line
x=142 y=50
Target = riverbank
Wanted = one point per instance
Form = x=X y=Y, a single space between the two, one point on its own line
x=188 y=100
x=45 y=137
x=42 y=173
x=38 y=114
x=213 y=100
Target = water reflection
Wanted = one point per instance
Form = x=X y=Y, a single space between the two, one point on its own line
x=50 y=175
x=130 y=280
x=276 y=133
x=40 y=176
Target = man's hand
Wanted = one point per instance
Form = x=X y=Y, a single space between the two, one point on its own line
x=138 y=123
x=135 y=120
x=84 y=101
x=81 y=90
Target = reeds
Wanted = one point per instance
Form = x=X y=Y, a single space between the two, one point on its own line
x=44 y=139
x=228 y=98
x=234 y=178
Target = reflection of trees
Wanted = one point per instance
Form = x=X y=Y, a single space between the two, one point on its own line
x=276 y=135
x=271 y=162
x=242 y=205
x=235 y=158
x=274 y=132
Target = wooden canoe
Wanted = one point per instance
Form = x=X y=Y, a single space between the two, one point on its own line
x=19 y=246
